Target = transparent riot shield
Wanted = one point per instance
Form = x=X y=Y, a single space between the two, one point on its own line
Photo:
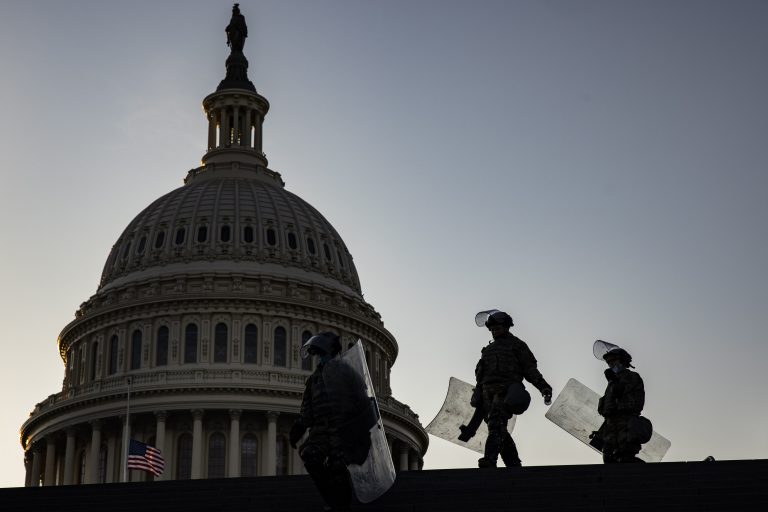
x=575 y=411
x=455 y=412
x=374 y=475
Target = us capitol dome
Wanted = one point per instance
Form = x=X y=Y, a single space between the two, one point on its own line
x=204 y=301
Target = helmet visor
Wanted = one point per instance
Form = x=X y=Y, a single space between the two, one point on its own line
x=600 y=348
x=482 y=316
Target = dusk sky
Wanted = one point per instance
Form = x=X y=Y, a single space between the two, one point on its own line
x=598 y=169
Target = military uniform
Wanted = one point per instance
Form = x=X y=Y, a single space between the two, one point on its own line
x=337 y=412
x=504 y=361
x=621 y=406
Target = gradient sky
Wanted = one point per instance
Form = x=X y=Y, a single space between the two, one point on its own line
x=599 y=169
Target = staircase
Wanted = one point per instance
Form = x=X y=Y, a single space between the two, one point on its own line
x=674 y=486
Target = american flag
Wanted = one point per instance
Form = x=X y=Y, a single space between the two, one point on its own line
x=146 y=458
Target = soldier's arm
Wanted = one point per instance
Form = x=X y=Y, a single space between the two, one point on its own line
x=477 y=393
x=530 y=368
x=305 y=413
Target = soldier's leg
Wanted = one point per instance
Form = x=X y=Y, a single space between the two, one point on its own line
x=509 y=451
x=497 y=423
x=314 y=457
x=340 y=496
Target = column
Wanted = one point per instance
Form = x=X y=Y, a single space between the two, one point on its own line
x=237 y=136
x=34 y=477
x=28 y=468
x=272 y=443
x=92 y=476
x=197 y=443
x=234 y=443
x=160 y=437
x=211 y=130
x=112 y=444
x=224 y=133
x=414 y=460
x=246 y=140
x=257 y=134
x=50 y=461
x=69 y=457
x=403 y=465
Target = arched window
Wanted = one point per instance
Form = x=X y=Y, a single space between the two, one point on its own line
x=251 y=344
x=202 y=234
x=306 y=364
x=142 y=244
x=282 y=456
x=113 y=348
x=94 y=356
x=136 y=350
x=292 y=243
x=311 y=246
x=180 y=235
x=159 y=239
x=248 y=234
x=220 y=343
x=280 y=347
x=327 y=252
x=161 y=350
x=249 y=460
x=226 y=233
x=217 y=445
x=190 y=344
x=184 y=457
x=271 y=237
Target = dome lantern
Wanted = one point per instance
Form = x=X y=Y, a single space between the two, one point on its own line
x=235 y=112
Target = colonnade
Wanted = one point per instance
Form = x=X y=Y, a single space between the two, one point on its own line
x=94 y=451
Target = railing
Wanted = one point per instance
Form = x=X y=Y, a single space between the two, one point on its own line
x=174 y=378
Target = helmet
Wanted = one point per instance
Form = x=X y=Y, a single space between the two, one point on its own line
x=623 y=355
x=493 y=317
x=325 y=342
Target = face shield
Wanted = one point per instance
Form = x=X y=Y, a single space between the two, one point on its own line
x=323 y=342
x=483 y=316
x=600 y=348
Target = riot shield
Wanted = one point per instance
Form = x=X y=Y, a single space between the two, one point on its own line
x=455 y=412
x=575 y=411
x=372 y=471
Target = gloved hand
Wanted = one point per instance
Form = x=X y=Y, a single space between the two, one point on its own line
x=547 y=394
x=297 y=430
x=466 y=433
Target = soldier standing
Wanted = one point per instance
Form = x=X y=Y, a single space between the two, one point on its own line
x=499 y=392
x=623 y=430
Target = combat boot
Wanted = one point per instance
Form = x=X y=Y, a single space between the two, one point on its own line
x=484 y=462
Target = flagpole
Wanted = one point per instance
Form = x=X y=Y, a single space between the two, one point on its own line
x=127 y=431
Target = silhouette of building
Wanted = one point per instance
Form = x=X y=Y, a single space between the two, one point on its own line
x=204 y=302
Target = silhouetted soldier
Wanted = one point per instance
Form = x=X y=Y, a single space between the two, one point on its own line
x=623 y=430
x=338 y=413
x=499 y=392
